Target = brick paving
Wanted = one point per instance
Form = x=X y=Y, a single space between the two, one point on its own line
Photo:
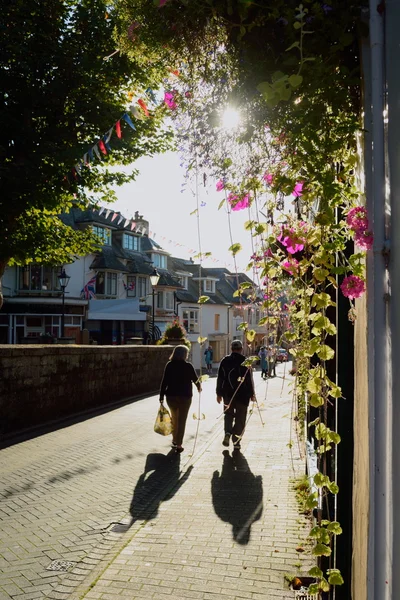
x=135 y=522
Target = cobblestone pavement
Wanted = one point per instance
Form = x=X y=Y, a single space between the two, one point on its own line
x=107 y=501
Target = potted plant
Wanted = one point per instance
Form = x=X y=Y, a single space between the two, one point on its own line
x=174 y=335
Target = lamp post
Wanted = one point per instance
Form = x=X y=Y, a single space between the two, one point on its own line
x=154 y=277
x=63 y=278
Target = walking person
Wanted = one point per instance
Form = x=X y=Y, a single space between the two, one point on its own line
x=176 y=386
x=271 y=355
x=263 y=362
x=235 y=388
x=209 y=358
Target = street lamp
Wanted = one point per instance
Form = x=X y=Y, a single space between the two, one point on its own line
x=154 y=277
x=63 y=278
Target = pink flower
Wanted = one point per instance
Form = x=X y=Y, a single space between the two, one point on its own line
x=352 y=287
x=285 y=307
x=291 y=266
x=364 y=239
x=220 y=185
x=298 y=189
x=268 y=253
x=161 y=3
x=293 y=242
x=357 y=219
x=268 y=177
x=169 y=99
x=188 y=94
x=239 y=203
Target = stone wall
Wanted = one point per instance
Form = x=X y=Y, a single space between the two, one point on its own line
x=44 y=383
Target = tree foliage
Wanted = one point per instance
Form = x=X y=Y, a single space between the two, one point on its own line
x=58 y=96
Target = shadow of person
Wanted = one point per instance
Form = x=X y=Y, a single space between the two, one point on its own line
x=237 y=495
x=160 y=480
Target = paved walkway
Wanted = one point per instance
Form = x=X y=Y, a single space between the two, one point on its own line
x=129 y=520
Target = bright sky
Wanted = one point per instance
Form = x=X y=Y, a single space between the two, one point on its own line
x=157 y=195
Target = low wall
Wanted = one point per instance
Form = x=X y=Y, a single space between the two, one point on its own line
x=44 y=383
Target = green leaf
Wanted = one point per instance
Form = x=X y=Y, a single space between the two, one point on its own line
x=201 y=340
x=333 y=487
x=335 y=577
x=325 y=352
x=294 y=45
x=319 y=479
x=250 y=335
x=203 y=378
x=335 y=437
x=297 y=25
x=203 y=299
x=315 y=572
x=220 y=205
x=320 y=274
x=316 y=400
x=194 y=212
x=335 y=528
x=235 y=248
x=321 y=550
x=295 y=80
x=322 y=300
x=242 y=326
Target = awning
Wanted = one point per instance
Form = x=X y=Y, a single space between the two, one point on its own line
x=118 y=310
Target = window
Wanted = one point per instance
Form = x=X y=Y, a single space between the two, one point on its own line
x=131 y=286
x=103 y=233
x=160 y=300
x=191 y=321
x=142 y=287
x=106 y=283
x=131 y=242
x=159 y=260
x=39 y=278
x=209 y=286
x=183 y=280
x=169 y=300
x=216 y=322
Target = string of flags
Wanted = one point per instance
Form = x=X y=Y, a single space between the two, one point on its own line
x=138 y=110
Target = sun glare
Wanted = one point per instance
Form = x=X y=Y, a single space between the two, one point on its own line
x=230 y=118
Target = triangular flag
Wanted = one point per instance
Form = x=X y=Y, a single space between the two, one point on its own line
x=86 y=158
x=136 y=112
x=96 y=151
x=143 y=106
x=107 y=145
x=108 y=135
x=115 y=215
x=126 y=222
x=102 y=209
x=120 y=220
x=128 y=120
x=108 y=213
x=118 y=129
x=151 y=95
x=102 y=147
x=133 y=224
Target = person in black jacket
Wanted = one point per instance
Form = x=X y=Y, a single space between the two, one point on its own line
x=176 y=385
x=235 y=387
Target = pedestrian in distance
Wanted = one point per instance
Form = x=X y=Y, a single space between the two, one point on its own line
x=263 y=362
x=235 y=388
x=176 y=386
x=271 y=356
x=209 y=358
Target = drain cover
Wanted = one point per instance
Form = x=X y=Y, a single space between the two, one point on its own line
x=59 y=565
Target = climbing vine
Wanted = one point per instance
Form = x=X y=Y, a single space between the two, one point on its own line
x=291 y=71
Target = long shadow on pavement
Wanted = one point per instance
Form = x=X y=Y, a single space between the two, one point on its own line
x=160 y=480
x=237 y=495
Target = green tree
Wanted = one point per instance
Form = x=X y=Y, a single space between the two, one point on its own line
x=59 y=95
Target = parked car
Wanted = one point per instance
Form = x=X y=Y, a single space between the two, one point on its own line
x=282 y=355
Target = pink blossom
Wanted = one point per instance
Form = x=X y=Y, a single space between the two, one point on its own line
x=268 y=253
x=285 y=307
x=357 y=219
x=352 y=287
x=268 y=177
x=188 y=94
x=298 y=189
x=161 y=3
x=291 y=266
x=220 y=185
x=293 y=302
x=239 y=204
x=293 y=242
x=364 y=239
x=169 y=99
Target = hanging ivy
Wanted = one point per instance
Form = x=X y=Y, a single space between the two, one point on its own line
x=291 y=71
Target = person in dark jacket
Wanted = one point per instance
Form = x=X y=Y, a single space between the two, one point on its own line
x=235 y=387
x=176 y=385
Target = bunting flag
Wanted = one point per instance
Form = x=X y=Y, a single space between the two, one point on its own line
x=102 y=147
x=151 y=95
x=126 y=222
x=96 y=151
x=143 y=106
x=91 y=155
x=108 y=213
x=89 y=290
x=133 y=225
x=118 y=129
x=121 y=218
x=128 y=120
x=115 y=215
x=102 y=209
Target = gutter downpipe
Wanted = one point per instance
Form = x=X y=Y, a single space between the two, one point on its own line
x=393 y=128
x=380 y=514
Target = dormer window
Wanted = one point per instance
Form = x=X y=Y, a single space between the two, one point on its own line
x=183 y=281
x=131 y=242
x=209 y=286
x=159 y=261
x=103 y=233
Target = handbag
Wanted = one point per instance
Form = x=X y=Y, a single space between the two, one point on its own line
x=163 y=424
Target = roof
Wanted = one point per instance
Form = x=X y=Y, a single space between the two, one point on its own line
x=107 y=259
